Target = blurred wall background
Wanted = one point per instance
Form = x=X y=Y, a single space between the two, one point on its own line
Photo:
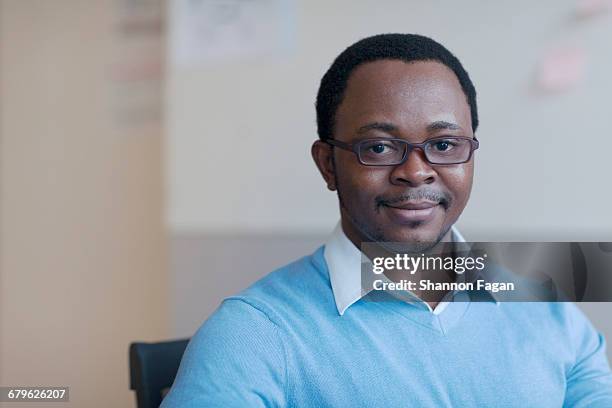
x=543 y=155
x=83 y=245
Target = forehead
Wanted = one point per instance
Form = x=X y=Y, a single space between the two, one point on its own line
x=408 y=95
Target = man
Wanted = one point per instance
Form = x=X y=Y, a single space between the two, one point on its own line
x=396 y=120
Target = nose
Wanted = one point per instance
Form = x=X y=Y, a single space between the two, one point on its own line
x=415 y=171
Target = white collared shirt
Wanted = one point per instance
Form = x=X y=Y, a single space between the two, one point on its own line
x=343 y=260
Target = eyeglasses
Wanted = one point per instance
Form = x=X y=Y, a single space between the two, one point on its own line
x=393 y=152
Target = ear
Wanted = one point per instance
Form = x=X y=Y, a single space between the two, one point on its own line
x=322 y=154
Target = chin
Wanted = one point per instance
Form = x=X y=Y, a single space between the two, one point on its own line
x=416 y=238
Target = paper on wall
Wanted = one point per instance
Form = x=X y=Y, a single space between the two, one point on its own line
x=206 y=31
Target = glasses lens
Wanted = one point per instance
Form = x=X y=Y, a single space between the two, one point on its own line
x=448 y=150
x=382 y=152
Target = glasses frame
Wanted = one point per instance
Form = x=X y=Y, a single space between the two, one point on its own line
x=355 y=148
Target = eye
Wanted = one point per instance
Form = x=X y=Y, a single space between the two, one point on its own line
x=443 y=145
x=378 y=148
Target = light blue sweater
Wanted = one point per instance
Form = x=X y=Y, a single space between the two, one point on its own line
x=282 y=343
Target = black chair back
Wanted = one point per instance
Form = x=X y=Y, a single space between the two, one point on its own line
x=153 y=367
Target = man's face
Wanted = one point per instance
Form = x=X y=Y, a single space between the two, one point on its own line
x=415 y=202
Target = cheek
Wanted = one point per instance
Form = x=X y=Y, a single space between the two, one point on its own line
x=459 y=181
x=359 y=183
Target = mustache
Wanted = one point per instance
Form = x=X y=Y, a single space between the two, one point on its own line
x=440 y=197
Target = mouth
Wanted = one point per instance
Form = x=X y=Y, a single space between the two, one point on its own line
x=412 y=211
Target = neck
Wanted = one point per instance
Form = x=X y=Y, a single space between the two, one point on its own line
x=444 y=247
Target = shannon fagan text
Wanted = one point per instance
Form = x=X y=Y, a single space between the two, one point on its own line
x=428 y=285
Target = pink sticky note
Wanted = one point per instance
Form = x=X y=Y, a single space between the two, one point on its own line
x=562 y=69
x=590 y=8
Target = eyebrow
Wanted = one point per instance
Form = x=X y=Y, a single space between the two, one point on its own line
x=385 y=127
x=443 y=125
x=389 y=127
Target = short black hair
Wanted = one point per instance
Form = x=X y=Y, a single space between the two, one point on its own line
x=403 y=47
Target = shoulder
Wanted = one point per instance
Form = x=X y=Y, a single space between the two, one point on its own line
x=555 y=319
x=556 y=313
x=297 y=287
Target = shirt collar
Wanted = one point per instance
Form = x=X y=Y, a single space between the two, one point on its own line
x=343 y=260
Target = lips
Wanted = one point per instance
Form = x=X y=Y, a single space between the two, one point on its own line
x=414 y=205
x=412 y=211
